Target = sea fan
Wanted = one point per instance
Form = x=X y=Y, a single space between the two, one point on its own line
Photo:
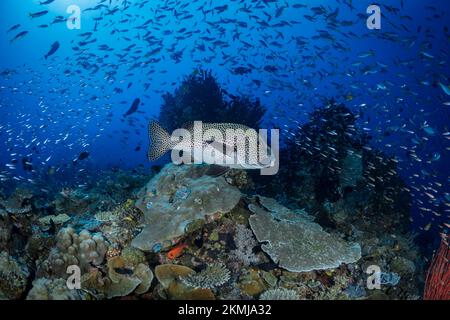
x=437 y=284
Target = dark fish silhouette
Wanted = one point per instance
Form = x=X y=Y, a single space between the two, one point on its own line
x=53 y=49
x=241 y=70
x=19 y=36
x=83 y=155
x=38 y=14
x=14 y=27
x=133 y=107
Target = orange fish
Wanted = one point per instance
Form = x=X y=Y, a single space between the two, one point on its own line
x=177 y=251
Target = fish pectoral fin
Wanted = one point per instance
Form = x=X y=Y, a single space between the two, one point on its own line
x=215 y=170
x=221 y=146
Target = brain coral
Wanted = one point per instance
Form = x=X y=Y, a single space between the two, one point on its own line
x=177 y=196
x=299 y=245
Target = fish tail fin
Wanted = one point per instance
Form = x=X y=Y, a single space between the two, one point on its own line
x=159 y=141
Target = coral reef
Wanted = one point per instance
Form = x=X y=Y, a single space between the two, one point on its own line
x=52 y=289
x=19 y=202
x=118 y=225
x=127 y=275
x=239 y=178
x=177 y=197
x=82 y=249
x=5 y=229
x=335 y=209
x=13 y=277
x=169 y=276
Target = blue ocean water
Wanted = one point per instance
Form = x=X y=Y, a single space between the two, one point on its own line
x=298 y=53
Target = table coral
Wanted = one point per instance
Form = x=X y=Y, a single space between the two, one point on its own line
x=300 y=245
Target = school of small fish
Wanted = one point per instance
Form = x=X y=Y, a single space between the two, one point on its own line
x=59 y=109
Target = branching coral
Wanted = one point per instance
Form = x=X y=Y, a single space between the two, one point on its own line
x=213 y=276
x=245 y=242
x=279 y=294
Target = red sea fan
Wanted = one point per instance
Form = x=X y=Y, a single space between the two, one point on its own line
x=437 y=284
